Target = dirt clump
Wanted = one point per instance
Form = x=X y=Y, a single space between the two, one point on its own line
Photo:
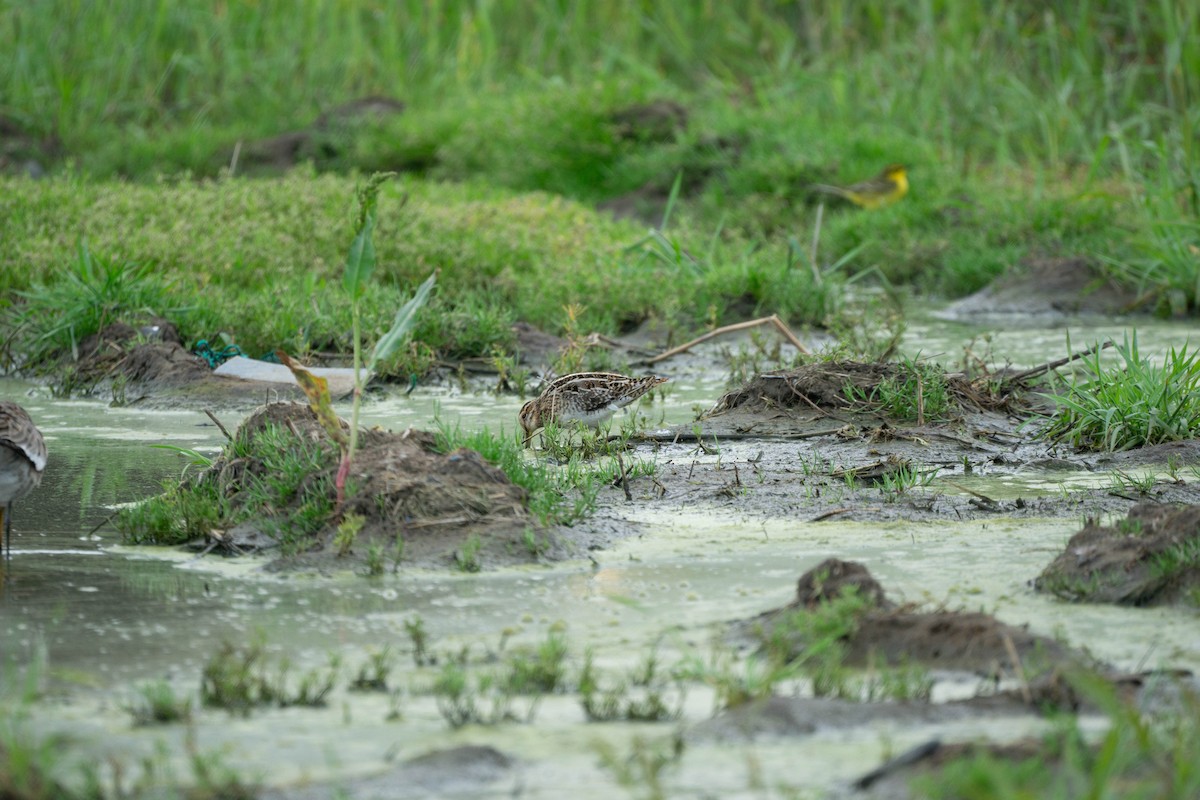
x=885 y=633
x=423 y=506
x=1148 y=558
x=832 y=577
x=150 y=353
x=830 y=386
x=462 y=771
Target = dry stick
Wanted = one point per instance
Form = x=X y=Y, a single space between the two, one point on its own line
x=920 y=401
x=905 y=759
x=972 y=492
x=102 y=523
x=833 y=513
x=217 y=422
x=1052 y=365
x=737 y=326
x=600 y=340
x=787 y=381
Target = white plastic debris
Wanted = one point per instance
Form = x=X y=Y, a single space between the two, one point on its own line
x=341 y=379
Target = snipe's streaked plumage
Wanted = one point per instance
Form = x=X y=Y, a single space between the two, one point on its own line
x=22 y=461
x=587 y=397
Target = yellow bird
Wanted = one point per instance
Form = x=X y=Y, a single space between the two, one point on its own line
x=884 y=189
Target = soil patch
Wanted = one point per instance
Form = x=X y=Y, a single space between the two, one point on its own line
x=697 y=164
x=1149 y=558
x=1046 y=287
x=896 y=635
x=1041 y=672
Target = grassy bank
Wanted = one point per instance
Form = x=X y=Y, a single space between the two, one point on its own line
x=1030 y=132
x=261 y=260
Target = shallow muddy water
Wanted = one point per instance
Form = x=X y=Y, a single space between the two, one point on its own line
x=105 y=617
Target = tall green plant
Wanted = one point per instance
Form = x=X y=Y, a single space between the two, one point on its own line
x=360 y=263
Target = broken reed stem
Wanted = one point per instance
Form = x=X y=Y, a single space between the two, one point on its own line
x=217 y=422
x=737 y=326
x=920 y=401
x=1052 y=365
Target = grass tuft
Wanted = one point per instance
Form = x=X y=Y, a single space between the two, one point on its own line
x=1133 y=404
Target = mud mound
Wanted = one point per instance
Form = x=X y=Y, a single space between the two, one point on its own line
x=955 y=640
x=1046 y=287
x=150 y=354
x=827 y=386
x=146 y=362
x=1148 y=558
x=886 y=634
x=441 y=505
x=831 y=577
x=812 y=386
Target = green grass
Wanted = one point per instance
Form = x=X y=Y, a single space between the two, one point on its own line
x=157 y=703
x=278 y=490
x=1058 y=89
x=1133 y=404
x=259 y=262
x=918 y=393
x=1139 y=755
x=241 y=679
x=1078 y=138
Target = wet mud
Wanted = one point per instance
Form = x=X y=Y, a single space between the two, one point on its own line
x=791 y=444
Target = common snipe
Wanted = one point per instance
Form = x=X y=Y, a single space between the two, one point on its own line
x=587 y=397
x=22 y=461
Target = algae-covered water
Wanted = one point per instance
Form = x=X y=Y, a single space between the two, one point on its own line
x=93 y=618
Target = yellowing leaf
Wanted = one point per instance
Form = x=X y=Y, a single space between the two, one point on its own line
x=316 y=389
